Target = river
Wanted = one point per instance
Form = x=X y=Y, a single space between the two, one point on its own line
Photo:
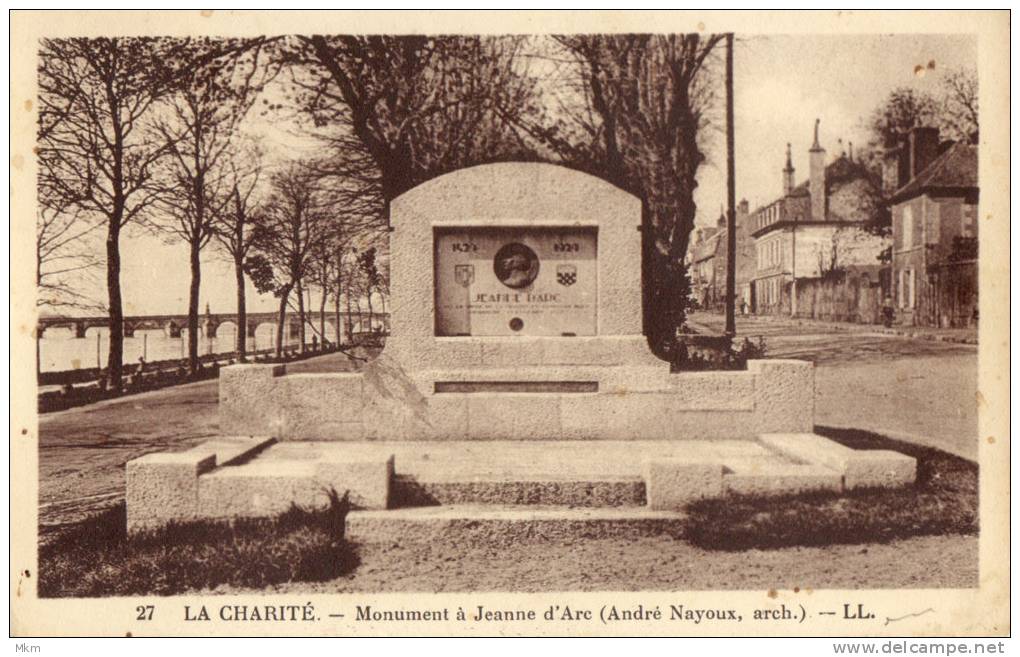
x=59 y=350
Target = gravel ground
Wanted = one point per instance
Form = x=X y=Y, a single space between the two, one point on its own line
x=653 y=563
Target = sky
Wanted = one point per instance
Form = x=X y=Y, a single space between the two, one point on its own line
x=782 y=84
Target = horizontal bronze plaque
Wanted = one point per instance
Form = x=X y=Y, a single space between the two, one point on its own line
x=516 y=386
x=529 y=280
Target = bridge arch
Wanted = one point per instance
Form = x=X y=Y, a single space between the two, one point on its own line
x=228 y=325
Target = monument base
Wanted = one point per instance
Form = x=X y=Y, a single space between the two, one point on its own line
x=417 y=490
x=501 y=401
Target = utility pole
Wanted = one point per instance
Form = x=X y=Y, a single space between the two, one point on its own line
x=793 y=269
x=731 y=198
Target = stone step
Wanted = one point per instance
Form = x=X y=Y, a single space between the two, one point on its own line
x=233 y=450
x=505 y=525
x=858 y=468
x=601 y=491
x=781 y=479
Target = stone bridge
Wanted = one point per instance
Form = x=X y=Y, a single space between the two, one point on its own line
x=209 y=323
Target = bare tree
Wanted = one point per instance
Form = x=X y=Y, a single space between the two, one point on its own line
x=399 y=110
x=369 y=271
x=634 y=110
x=66 y=249
x=296 y=222
x=953 y=108
x=199 y=122
x=234 y=228
x=959 y=99
x=322 y=275
x=95 y=97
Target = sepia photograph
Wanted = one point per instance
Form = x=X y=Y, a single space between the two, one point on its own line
x=424 y=306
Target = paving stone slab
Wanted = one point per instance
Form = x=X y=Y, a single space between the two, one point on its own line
x=859 y=468
x=503 y=525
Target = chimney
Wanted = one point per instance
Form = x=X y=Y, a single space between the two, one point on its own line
x=895 y=167
x=743 y=209
x=816 y=178
x=721 y=222
x=788 y=172
x=922 y=149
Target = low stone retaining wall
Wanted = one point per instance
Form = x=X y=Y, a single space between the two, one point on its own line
x=384 y=403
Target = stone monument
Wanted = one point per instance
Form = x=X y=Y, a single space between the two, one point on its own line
x=515 y=316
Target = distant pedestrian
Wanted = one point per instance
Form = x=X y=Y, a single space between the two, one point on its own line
x=141 y=364
x=887 y=312
x=315 y=343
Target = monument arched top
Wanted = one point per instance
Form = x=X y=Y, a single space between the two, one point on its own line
x=518 y=193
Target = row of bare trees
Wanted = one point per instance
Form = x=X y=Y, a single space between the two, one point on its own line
x=632 y=109
x=150 y=131
x=138 y=131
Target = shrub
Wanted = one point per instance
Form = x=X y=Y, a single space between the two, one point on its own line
x=96 y=557
x=943 y=500
x=693 y=353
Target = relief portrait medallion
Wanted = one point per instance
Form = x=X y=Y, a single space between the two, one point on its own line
x=515 y=265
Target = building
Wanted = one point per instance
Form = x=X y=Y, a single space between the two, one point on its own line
x=816 y=231
x=935 y=230
x=708 y=262
x=701 y=265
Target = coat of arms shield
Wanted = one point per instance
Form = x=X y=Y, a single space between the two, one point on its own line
x=566 y=275
x=464 y=274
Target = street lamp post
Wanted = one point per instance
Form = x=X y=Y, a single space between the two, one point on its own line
x=731 y=196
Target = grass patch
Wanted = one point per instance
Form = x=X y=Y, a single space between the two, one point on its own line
x=944 y=500
x=96 y=557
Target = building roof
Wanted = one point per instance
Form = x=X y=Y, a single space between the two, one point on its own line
x=837 y=173
x=707 y=247
x=954 y=171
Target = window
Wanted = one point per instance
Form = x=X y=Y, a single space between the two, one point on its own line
x=906 y=294
x=967 y=224
x=908 y=227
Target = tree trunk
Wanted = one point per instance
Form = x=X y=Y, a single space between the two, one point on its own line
x=665 y=285
x=350 y=320
x=301 y=315
x=370 y=324
x=322 y=319
x=281 y=320
x=115 y=359
x=338 y=329
x=196 y=281
x=240 y=341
